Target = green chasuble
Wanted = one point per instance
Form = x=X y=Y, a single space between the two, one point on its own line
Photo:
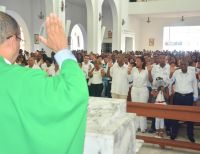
x=41 y=114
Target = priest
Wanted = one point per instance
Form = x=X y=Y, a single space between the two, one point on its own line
x=40 y=114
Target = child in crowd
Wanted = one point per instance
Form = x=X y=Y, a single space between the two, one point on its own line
x=161 y=93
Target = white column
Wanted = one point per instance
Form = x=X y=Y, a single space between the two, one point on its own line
x=67 y=28
x=94 y=30
x=48 y=6
x=90 y=29
x=102 y=32
x=94 y=25
x=116 y=33
x=119 y=10
x=124 y=28
x=58 y=7
x=97 y=26
x=116 y=37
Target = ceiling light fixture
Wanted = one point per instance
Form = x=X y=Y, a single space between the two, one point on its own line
x=148 y=20
x=123 y=22
x=100 y=16
x=62 y=6
x=41 y=15
x=182 y=18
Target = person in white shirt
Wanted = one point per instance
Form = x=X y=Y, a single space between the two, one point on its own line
x=96 y=75
x=161 y=70
x=86 y=66
x=155 y=59
x=50 y=67
x=39 y=58
x=26 y=55
x=126 y=61
x=120 y=78
x=139 y=92
x=43 y=66
x=186 y=92
x=31 y=63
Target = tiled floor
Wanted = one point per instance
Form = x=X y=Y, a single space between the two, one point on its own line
x=155 y=149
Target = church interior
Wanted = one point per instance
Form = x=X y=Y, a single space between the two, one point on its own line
x=111 y=40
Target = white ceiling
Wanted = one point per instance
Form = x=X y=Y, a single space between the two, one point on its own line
x=160 y=15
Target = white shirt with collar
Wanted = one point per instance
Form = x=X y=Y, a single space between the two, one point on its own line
x=120 y=79
x=185 y=83
x=86 y=67
x=191 y=69
x=140 y=79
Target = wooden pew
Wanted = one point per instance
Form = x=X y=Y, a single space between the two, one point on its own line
x=183 y=113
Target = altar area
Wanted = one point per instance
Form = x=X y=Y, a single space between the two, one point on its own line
x=110 y=130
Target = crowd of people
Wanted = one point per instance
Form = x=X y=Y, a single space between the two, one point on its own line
x=38 y=60
x=147 y=76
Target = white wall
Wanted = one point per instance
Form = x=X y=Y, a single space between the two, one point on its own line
x=164 y=6
x=107 y=20
x=123 y=28
x=77 y=14
x=154 y=29
x=134 y=25
x=162 y=13
x=28 y=10
x=37 y=6
x=129 y=44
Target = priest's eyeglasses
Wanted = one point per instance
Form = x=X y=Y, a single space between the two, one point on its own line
x=19 y=38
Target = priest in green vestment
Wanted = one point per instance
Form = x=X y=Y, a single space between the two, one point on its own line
x=40 y=114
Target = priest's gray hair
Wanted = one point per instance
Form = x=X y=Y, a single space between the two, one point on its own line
x=8 y=27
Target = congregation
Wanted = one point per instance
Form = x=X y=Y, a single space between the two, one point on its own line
x=140 y=76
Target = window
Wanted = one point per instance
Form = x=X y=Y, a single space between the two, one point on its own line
x=77 y=42
x=185 y=38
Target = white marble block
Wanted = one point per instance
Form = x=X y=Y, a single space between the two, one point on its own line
x=110 y=130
